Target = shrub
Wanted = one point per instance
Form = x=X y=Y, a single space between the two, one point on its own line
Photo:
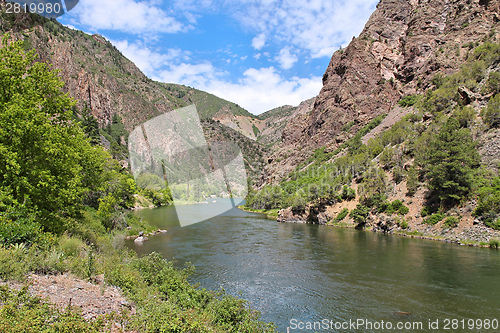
x=359 y=214
x=494 y=243
x=434 y=218
x=403 y=224
x=412 y=182
x=451 y=222
x=348 y=193
x=465 y=116
x=491 y=114
x=494 y=224
x=17 y=224
x=403 y=210
x=425 y=211
x=340 y=216
x=408 y=100
x=493 y=83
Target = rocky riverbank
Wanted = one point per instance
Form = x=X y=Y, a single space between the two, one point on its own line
x=472 y=233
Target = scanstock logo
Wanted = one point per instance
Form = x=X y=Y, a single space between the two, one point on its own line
x=47 y=8
x=170 y=154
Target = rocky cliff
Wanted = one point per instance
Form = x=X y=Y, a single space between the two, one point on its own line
x=402 y=47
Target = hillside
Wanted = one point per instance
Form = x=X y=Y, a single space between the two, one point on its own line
x=110 y=88
x=404 y=135
x=275 y=121
x=403 y=45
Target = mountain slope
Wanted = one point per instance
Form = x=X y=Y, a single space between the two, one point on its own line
x=113 y=90
x=402 y=47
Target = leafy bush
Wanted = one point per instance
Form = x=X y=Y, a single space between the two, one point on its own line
x=465 y=116
x=403 y=224
x=494 y=224
x=451 y=222
x=359 y=214
x=493 y=83
x=434 y=218
x=340 y=216
x=491 y=114
x=489 y=202
x=348 y=193
x=494 y=243
x=408 y=100
x=17 y=224
x=425 y=211
x=412 y=182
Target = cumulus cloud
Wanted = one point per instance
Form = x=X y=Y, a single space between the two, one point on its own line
x=146 y=59
x=286 y=59
x=319 y=26
x=126 y=16
x=257 y=91
x=259 y=41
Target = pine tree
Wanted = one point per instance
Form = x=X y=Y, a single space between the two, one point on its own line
x=452 y=157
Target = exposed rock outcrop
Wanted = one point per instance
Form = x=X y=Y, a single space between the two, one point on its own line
x=403 y=45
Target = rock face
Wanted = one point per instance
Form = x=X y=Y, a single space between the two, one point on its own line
x=403 y=45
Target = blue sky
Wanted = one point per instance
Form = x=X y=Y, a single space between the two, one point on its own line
x=258 y=53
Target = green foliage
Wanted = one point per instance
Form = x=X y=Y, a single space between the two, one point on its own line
x=398 y=175
x=491 y=114
x=465 y=116
x=151 y=278
x=488 y=52
x=451 y=159
x=425 y=211
x=403 y=224
x=17 y=224
x=494 y=243
x=340 y=216
x=488 y=205
x=298 y=203
x=256 y=130
x=45 y=160
x=399 y=207
x=408 y=100
x=434 y=218
x=412 y=182
x=451 y=222
x=359 y=214
x=492 y=85
x=90 y=126
x=348 y=193
x=373 y=187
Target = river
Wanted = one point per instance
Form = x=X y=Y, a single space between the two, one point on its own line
x=298 y=274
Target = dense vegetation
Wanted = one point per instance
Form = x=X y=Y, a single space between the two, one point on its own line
x=63 y=208
x=433 y=146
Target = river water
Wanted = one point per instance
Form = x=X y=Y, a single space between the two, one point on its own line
x=298 y=274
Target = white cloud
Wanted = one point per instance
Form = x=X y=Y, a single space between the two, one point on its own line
x=286 y=59
x=126 y=16
x=258 y=91
x=259 y=41
x=147 y=60
x=318 y=26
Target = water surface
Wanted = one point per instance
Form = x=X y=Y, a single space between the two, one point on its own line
x=310 y=272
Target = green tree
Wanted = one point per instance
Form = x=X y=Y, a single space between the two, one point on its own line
x=46 y=161
x=491 y=115
x=452 y=157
